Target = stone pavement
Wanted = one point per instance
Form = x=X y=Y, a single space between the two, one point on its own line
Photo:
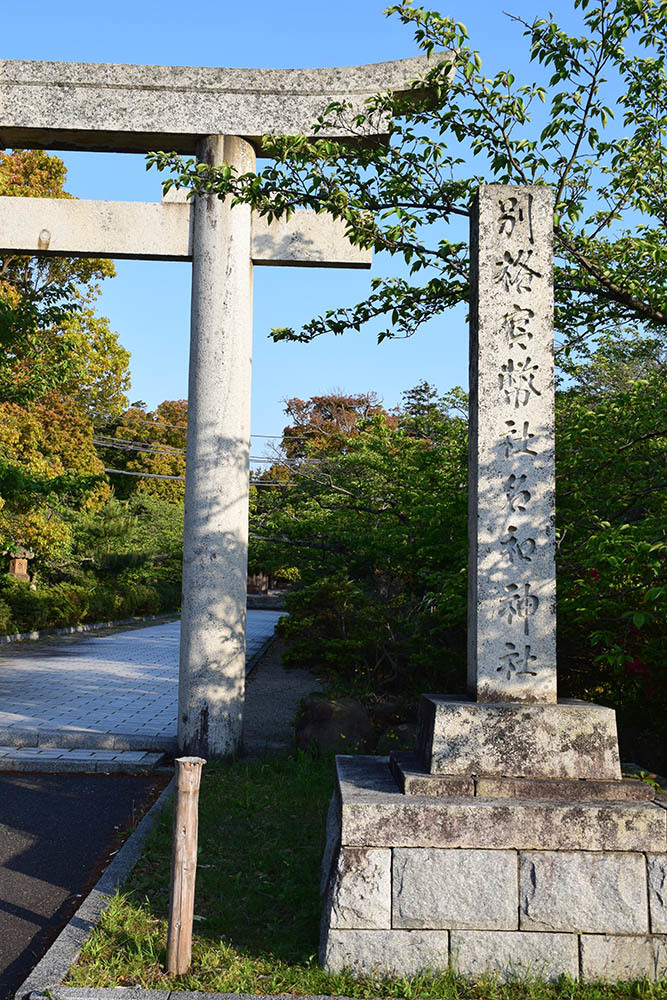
x=114 y=692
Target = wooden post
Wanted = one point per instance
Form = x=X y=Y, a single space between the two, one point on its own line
x=183 y=864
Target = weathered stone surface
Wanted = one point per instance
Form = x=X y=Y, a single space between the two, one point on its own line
x=400 y=953
x=514 y=954
x=511 y=519
x=376 y=814
x=618 y=958
x=364 y=778
x=146 y=231
x=120 y=229
x=360 y=892
x=446 y=889
x=583 y=891
x=572 y=739
x=139 y=108
x=305 y=239
x=575 y=790
x=332 y=842
x=215 y=545
x=334 y=724
x=412 y=780
x=657 y=891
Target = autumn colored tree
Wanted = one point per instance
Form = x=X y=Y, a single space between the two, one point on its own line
x=48 y=329
x=152 y=443
x=61 y=368
x=326 y=423
x=48 y=468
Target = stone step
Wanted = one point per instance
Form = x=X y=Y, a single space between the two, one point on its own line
x=412 y=779
x=61 y=760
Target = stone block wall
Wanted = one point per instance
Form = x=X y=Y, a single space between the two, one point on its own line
x=419 y=882
x=588 y=914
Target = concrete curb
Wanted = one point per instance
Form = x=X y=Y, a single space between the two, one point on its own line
x=84 y=739
x=73 y=629
x=72 y=762
x=64 y=951
x=135 y=993
x=254 y=660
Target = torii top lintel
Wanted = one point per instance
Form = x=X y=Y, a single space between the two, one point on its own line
x=125 y=108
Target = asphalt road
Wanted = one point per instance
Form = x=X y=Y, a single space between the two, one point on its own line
x=57 y=833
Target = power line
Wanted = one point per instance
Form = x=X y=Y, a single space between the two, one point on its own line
x=111 y=442
x=143 y=475
x=300 y=437
x=153 y=423
x=123 y=444
x=181 y=479
x=142 y=450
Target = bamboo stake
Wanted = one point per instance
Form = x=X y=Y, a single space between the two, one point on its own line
x=183 y=864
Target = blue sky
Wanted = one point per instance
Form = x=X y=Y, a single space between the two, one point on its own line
x=148 y=303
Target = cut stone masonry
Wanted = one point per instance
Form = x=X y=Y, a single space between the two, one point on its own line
x=501 y=885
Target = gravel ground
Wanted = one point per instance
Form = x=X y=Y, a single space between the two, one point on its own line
x=273 y=696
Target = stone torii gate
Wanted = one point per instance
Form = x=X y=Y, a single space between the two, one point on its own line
x=220 y=115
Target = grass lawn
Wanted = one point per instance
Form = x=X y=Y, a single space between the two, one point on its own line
x=257 y=907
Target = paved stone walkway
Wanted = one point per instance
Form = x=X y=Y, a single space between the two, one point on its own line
x=114 y=692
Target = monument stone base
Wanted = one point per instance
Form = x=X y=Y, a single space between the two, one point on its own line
x=570 y=739
x=493 y=874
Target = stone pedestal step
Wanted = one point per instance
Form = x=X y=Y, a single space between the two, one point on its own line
x=570 y=739
x=55 y=760
x=375 y=813
x=413 y=780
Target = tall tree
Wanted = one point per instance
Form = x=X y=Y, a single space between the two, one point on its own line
x=326 y=423
x=599 y=142
x=50 y=335
x=61 y=367
x=144 y=444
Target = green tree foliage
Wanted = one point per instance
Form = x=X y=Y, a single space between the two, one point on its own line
x=375 y=530
x=373 y=518
x=61 y=367
x=612 y=588
x=48 y=466
x=150 y=443
x=123 y=559
x=592 y=126
x=50 y=335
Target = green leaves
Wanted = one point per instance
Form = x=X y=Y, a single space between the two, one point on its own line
x=456 y=129
x=374 y=522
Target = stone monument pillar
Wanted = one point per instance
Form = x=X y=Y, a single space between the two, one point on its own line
x=513 y=726
x=511 y=519
x=508 y=843
x=212 y=662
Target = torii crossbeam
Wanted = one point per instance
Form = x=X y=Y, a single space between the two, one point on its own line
x=221 y=115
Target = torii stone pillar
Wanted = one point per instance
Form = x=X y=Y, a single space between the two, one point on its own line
x=220 y=114
x=215 y=543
